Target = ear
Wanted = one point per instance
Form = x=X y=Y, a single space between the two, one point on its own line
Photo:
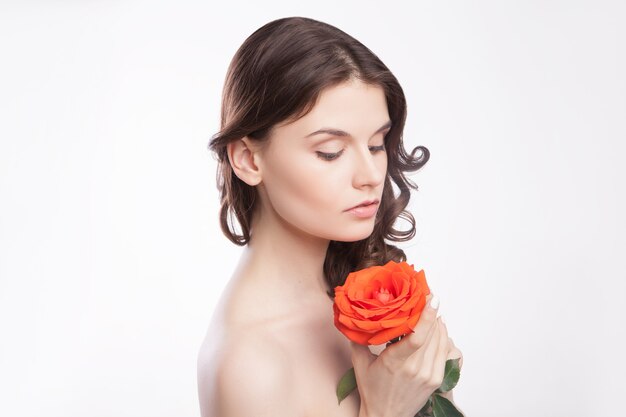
x=243 y=156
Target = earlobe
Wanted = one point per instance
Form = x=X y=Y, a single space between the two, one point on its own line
x=241 y=154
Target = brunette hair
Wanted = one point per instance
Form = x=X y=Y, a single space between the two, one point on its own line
x=276 y=76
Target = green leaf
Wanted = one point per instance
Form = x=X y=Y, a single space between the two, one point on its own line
x=346 y=385
x=442 y=407
x=451 y=375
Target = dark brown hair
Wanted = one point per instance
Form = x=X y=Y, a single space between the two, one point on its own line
x=276 y=76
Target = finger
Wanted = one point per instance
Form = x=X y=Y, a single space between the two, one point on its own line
x=415 y=357
x=361 y=355
x=440 y=360
x=413 y=341
x=454 y=352
x=424 y=357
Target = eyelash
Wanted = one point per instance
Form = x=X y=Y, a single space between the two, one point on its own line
x=332 y=156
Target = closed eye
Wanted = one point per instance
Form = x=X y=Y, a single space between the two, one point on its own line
x=328 y=156
x=331 y=156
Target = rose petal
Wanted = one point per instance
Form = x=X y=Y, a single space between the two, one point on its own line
x=357 y=337
x=386 y=324
x=385 y=336
x=367 y=325
x=364 y=318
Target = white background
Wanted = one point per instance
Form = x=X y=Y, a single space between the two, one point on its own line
x=111 y=256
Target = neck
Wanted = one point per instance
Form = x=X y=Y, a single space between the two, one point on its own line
x=283 y=260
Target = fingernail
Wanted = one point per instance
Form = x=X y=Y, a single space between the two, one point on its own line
x=442 y=320
x=434 y=302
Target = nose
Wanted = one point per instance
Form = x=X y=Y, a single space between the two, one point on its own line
x=370 y=169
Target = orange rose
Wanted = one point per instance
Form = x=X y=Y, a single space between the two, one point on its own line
x=380 y=303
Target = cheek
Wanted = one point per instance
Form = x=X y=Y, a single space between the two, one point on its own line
x=304 y=187
x=382 y=165
x=312 y=196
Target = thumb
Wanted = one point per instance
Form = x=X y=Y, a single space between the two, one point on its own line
x=361 y=355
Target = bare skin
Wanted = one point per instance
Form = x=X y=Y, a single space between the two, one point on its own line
x=295 y=319
x=272 y=348
x=305 y=337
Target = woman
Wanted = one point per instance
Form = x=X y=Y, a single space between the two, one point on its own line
x=311 y=127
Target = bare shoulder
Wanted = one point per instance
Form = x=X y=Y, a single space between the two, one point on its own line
x=243 y=375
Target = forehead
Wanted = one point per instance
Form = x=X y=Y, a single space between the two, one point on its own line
x=353 y=106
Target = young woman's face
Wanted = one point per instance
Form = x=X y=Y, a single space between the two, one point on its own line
x=317 y=168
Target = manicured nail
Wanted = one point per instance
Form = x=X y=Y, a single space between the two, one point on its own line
x=434 y=302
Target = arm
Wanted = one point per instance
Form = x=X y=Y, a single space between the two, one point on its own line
x=253 y=379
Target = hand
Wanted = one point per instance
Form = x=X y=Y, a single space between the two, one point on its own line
x=454 y=353
x=400 y=380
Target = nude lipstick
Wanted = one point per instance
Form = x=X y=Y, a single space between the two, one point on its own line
x=364 y=210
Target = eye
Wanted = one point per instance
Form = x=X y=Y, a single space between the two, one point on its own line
x=328 y=156
x=377 y=148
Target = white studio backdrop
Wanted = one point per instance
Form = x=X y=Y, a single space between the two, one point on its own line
x=111 y=256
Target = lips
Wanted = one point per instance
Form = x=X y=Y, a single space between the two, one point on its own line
x=364 y=204
x=365 y=210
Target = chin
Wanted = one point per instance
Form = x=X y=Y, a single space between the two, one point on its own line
x=354 y=235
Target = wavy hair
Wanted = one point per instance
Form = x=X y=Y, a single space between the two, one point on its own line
x=276 y=76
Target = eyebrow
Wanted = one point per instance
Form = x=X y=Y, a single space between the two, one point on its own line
x=338 y=132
